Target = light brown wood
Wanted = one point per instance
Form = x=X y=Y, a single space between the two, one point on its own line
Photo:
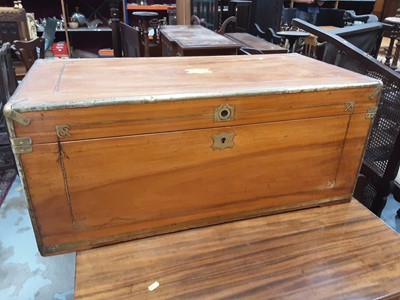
x=137 y=159
x=334 y=252
x=183 y=12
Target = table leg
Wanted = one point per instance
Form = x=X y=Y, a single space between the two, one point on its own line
x=396 y=56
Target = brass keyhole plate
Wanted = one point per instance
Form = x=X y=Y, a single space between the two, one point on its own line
x=223 y=140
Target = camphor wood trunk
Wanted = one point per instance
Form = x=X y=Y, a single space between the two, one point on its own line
x=111 y=150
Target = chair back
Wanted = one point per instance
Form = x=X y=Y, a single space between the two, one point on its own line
x=267 y=14
x=366 y=37
x=29 y=51
x=207 y=10
x=195 y=20
x=130 y=41
x=228 y=25
x=382 y=155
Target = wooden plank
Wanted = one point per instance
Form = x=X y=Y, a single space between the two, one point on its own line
x=334 y=252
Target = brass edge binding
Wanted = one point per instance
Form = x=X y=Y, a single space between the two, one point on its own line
x=375 y=92
x=22 y=177
x=21 y=145
x=62 y=131
x=371 y=112
x=17 y=117
x=349 y=106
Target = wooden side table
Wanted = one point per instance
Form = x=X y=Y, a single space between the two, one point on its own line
x=145 y=17
x=394 y=34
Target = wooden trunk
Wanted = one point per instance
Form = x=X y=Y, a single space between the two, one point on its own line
x=111 y=150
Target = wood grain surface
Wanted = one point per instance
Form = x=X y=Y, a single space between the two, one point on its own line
x=334 y=252
x=138 y=158
x=247 y=40
x=58 y=84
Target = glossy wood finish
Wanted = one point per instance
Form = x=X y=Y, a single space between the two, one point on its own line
x=252 y=42
x=335 y=252
x=194 y=40
x=139 y=160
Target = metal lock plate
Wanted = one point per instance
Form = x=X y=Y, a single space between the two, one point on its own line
x=224 y=112
x=223 y=140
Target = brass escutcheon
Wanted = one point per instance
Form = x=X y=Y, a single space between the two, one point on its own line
x=223 y=140
x=224 y=112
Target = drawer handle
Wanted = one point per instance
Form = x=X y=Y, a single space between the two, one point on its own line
x=224 y=112
x=223 y=141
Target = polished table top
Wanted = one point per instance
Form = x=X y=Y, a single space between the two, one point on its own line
x=196 y=36
x=335 y=252
x=250 y=41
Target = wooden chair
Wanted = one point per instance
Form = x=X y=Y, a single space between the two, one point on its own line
x=207 y=10
x=29 y=51
x=7 y=88
x=130 y=41
x=382 y=155
x=266 y=14
x=228 y=25
x=269 y=35
x=367 y=37
x=195 y=20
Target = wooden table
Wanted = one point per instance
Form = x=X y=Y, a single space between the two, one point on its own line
x=335 y=252
x=195 y=40
x=248 y=41
x=292 y=37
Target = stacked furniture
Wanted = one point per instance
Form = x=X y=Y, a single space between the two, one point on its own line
x=382 y=155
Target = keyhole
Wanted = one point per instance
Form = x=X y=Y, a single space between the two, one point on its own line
x=223 y=140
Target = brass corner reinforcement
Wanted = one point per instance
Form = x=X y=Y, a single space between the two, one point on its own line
x=17 y=117
x=371 y=112
x=376 y=92
x=21 y=145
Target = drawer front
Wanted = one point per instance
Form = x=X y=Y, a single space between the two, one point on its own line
x=157 y=180
x=122 y=120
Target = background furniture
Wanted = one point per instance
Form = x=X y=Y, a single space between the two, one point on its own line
x=382 y=156
x=266 y=14
x=13 y=24
x=7 y=88
x=29 y=51
x=251 y=44
x=83 y=38
x=195 y=40
x=319 y=253
x=207 y=10
x=130 y=38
